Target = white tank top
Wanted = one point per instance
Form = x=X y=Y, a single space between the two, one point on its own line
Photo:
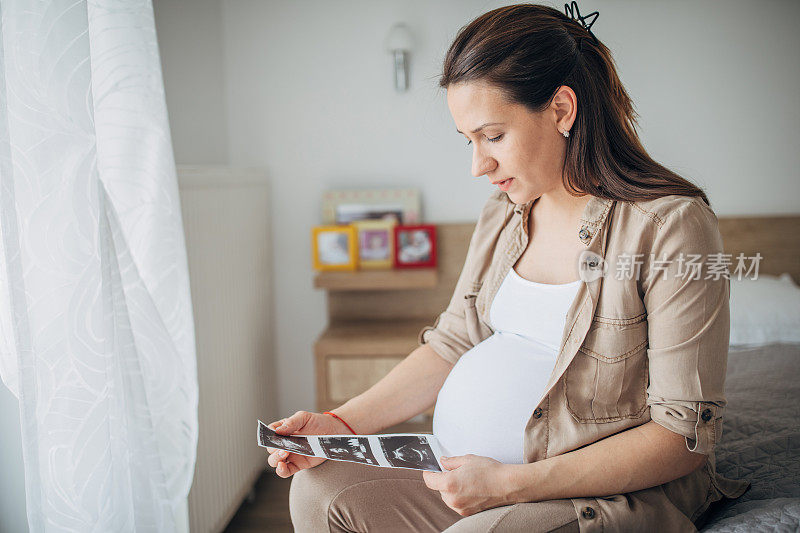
x=491 y=392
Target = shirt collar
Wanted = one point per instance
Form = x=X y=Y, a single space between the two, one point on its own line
x=592 y=219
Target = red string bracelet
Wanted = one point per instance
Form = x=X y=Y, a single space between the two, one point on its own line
x=340 y=418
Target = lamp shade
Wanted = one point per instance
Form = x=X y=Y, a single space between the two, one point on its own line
x=399 y=38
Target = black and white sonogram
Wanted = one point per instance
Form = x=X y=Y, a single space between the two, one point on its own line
x=268 y=438
x=348 y=449
x=408 y=451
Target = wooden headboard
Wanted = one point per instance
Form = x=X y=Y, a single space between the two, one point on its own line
x=776 y=238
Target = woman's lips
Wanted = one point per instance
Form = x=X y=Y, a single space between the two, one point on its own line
x=505 y=184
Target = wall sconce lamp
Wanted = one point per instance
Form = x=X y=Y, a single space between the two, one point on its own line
x=399 y=42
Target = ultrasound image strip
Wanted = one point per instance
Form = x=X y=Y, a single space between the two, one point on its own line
x=398 y=450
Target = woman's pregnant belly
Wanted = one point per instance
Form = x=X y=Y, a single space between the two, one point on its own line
x=489 y=395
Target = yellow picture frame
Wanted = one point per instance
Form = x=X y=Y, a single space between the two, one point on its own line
x=328 y=252
x=375 y=238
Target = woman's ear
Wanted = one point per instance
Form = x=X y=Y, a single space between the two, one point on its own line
x=564 y=107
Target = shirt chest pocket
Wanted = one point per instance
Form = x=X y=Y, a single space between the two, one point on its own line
x=607 y=379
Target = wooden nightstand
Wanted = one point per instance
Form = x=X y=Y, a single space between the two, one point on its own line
x=374 y=317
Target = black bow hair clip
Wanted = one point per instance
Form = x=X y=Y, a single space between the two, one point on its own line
x=572 y=11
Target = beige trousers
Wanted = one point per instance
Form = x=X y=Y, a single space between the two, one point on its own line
x=339 y=496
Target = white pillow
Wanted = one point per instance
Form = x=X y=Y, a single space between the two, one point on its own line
x=764 y=310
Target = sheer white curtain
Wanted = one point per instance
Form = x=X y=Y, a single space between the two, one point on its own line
x=96 y=328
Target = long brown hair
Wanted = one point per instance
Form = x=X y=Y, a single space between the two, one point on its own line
x=528 y=51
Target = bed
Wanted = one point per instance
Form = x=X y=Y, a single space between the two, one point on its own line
x=761 y=433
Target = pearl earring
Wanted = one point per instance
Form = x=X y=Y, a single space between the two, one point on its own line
x=565 y=133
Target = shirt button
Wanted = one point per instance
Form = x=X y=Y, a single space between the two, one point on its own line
x=588 y=513
x=583 y=234
x=706 y=415
x=537 y=413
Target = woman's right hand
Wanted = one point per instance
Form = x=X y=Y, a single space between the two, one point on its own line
x=285 y=463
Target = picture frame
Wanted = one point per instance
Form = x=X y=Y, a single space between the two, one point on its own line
x=347 y=206
x=415 y=246
x=375 y=243
x=334 y=247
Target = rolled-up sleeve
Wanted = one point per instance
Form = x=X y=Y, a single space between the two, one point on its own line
x=449 y=336
x=688 y=326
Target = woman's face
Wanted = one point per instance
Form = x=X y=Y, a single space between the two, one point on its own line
x=519 y=150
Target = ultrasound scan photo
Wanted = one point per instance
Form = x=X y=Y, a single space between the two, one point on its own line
x=348 y=448
x=400 y=450
x=409 y=451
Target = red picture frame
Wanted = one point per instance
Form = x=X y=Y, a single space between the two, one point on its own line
x=415 y=246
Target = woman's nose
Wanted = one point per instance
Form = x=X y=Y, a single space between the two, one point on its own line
x=481 y=163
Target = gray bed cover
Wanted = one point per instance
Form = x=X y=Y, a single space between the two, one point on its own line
x=761 y=440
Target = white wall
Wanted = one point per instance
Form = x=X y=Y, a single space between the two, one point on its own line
x=308 y=96
x=190 y=44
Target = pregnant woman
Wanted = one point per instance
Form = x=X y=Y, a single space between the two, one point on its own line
x=578 y=371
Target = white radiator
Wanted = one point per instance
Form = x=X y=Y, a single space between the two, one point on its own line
x=226 y=219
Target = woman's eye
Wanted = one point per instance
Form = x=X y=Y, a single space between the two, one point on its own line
x=490 y=139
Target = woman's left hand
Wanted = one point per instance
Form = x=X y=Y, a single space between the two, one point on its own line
x=471 y=483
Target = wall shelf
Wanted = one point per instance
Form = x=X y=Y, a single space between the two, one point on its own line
x=377 y=280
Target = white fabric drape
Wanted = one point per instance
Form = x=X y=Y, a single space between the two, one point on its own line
x=96 y=328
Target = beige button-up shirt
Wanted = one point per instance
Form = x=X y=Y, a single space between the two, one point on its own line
x=646 y=338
